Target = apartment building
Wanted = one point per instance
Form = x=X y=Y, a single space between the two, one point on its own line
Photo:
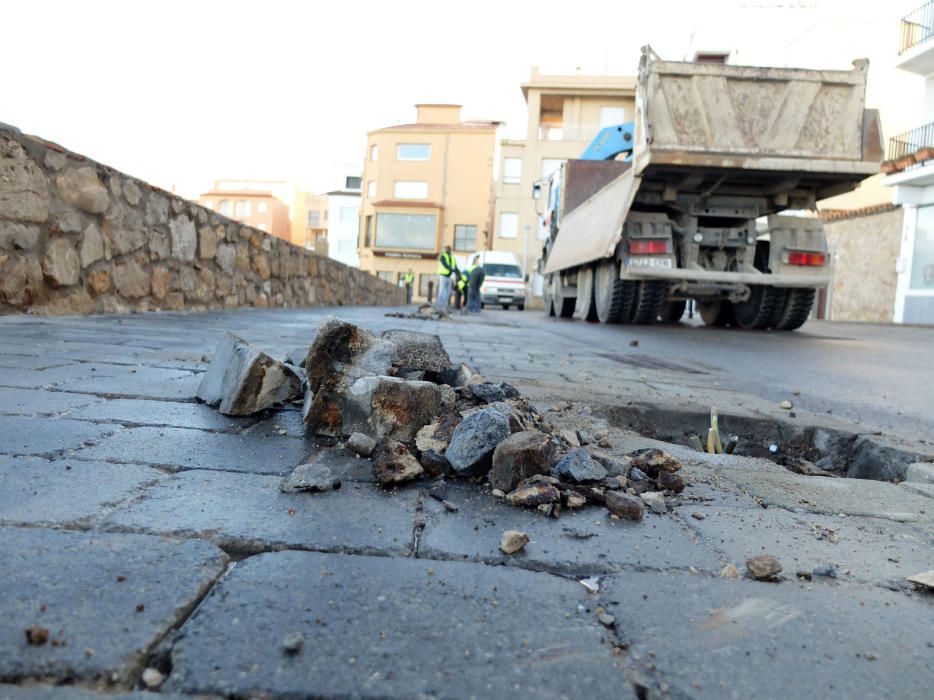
x=426 y=185
x=343 y=222
x=565 y=112
x=252 y=202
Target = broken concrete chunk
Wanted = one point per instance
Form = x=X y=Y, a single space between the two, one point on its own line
x=389 y=407
x=570 y=437
x=925 y=579
x=729 y=571
x=764 y=567
x=488 y=392
x=520 y=456
x=572 y=499
x=242 y=380
x=920 y=472
x=534 y=495
x=578 y=467
x=417 y=351
x=624 y=506
x=394 y=464
x=298 y=356
x=513 y=541
x=315 y=478
x=361 y=443
x=670 y=481
x=474 y=440
x=434 y=464
x=652 y=461
x=426 y=440
x=615 y=466
x=655 y=501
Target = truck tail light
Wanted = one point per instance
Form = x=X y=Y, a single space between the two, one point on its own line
x=800 y=257
x=649 y=246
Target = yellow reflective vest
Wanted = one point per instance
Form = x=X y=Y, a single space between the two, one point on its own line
x=408 y=278
x=446 y=264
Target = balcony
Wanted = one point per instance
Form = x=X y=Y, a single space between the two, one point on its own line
x=910 y=157
x=915 y=50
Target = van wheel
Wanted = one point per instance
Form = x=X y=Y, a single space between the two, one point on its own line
x=520 y=307
x=505 y=307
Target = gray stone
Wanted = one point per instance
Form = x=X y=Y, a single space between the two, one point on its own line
x=393 y=464
x=131 y=193
x=491 y=393
x=226 y=258
x=71 y=221
x=624 y=506
x=159 y=245
x=123 y=232
x=520 y=456
x=920 y=472
x=474 y=440
x=654 y=500
x=60 y=263
x=24 y=190
x=157 y=210
x=146 y=584
x=207 y=242
x=388 y=407
x=310 y=477
x=706 y=637
x=362 y=444
x=578 y=467
x=348 y=609
x=92 y=245
x=55 y=160
x=82 y=188
x=15 y=236
x=178 y=448
x=651 y=460
x=248 y=513
x=532 y=495
x=242 y=380
x=65 y=492
x=763 y=567
x=184 y=238
x=21 y=281
x=33 y=436
x=131 y=279
x=615 y=466
x=417 y=351
x=874 y=459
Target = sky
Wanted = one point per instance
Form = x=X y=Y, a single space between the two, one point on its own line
x=184 y=93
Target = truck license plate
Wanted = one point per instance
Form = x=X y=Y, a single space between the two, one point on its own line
x=648 y=262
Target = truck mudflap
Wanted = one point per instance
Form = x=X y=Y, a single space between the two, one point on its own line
x=593 y=229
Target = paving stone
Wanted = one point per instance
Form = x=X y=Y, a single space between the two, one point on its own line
x=778 y=486
x=248 y=512
x=139 y=383
x=181 y=448
x=63 y=580
x=30 y=361
x=45 y=692
x=29 y=436
x=714 y=638
x=394 y=628
x=165 y=413
x=864 y=549
x=34 y=490
x=580 y=541
x=275 y=422
x=31 y=402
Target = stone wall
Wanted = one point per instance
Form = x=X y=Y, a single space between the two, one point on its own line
x=80 y=237
x=864 y=251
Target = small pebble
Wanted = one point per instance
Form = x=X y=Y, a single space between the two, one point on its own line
x=293 y=643
x=606 y=619
x=152 y=677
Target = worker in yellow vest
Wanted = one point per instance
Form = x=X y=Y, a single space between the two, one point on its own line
x=409 y=280
x=446 y=267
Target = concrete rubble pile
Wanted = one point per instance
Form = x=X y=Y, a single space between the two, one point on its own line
x=398 y=400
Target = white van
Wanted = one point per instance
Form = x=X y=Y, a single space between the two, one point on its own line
x=504 y=283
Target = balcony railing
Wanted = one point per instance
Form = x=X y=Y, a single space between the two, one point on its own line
x=911 y=142
x=917 y=27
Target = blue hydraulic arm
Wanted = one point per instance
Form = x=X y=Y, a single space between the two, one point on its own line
x=612 y=141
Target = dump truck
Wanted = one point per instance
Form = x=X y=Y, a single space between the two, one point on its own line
x=709 y=195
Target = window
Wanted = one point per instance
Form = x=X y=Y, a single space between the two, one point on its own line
x=415 y=231
x=423 y=280
x=371 y=189
x=413 y=151
x=223 y=207
x=207 y=204
x=512 y=171
x=610 y=116
x=261 y=227
x=508 y=224
x=314 y=219
x=502 y=270
x=352 y=182
x=242 y=209
x=261 y=207
x=368 y=232
x=348 y=214
x=465 y=238
x=410 y=189
x=922 y=256
x=387 y=276
x=549 y=166
x=374 y=153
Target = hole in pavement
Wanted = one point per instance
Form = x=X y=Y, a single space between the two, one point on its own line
x=801 y=448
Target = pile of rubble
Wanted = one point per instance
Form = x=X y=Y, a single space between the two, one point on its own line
x=425 y=312
x=398 y=400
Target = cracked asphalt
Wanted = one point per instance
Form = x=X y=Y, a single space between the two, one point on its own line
x=144 y=530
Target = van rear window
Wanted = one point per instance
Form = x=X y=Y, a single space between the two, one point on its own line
x=501 y=270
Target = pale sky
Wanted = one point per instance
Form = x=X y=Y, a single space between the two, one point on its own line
x=183 y=93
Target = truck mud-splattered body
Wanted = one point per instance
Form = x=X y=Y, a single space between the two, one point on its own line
x=717 y=153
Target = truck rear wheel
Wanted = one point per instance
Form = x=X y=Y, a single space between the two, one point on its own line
x=564 y=305
x=650 y=301
x=612 y=296
x=715 y=313
x=584 y=307
x=797 y=309
x=763 y=309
